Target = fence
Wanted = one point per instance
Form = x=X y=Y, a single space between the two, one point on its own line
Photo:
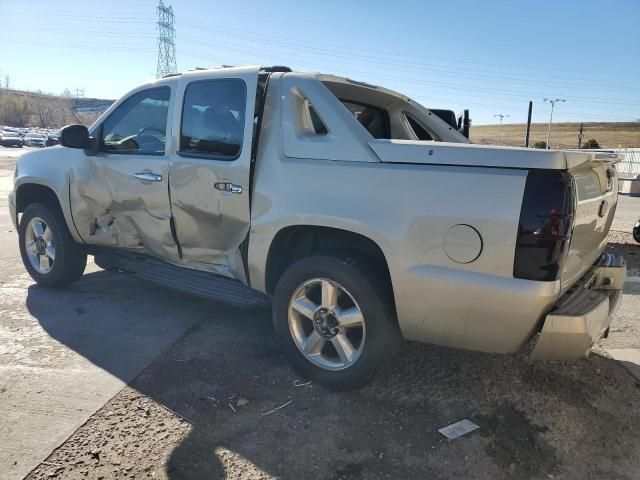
x=630 y=166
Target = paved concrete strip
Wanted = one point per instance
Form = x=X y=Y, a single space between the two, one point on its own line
x=64 y=353
x=629 y=357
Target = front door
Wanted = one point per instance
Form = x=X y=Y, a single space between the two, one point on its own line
x=209 y=173
x=120 y=196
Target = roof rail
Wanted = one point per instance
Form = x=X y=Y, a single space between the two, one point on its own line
x=176 y=74
x=275 y=68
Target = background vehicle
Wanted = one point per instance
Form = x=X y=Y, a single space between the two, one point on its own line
x=51 y=141
x=10 y=139
x=34 y=140
x=364 y=216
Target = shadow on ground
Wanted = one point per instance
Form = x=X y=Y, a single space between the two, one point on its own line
x=537 y=420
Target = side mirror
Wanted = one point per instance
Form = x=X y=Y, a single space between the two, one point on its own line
x=75 y=136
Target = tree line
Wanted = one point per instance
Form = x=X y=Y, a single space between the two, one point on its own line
x=26 y=109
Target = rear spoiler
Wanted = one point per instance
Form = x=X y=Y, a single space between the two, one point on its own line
x=578 y=158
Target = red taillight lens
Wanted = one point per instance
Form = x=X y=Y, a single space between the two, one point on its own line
x=546 y=224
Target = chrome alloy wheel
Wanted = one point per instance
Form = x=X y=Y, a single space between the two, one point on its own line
x=326 y=324
x=39 y=245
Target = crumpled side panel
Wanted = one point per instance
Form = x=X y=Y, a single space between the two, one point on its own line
x=111 y=208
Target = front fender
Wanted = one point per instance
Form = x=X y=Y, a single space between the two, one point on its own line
x=49 y=168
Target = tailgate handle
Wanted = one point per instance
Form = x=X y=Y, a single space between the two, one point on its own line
x=610 y=177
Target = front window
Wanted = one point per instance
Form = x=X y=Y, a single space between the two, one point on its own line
x=139 y=124
x=213 y=119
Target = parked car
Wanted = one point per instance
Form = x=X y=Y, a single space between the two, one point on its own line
x=51 y=141
x=10 y=139
x=316 y=192
x=34 y=140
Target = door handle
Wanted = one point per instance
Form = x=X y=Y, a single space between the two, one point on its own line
x=228 y=187
x=148 y=177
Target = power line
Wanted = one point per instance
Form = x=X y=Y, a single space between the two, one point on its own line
x=166 y=41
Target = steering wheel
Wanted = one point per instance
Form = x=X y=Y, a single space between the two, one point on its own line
x=144 y=130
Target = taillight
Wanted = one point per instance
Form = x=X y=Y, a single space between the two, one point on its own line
x=546 y=223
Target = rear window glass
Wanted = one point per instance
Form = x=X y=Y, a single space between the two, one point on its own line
x=418 y=129
x=213 y=119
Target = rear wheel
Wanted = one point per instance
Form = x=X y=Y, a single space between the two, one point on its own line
x=335 y=322
x=48 y=251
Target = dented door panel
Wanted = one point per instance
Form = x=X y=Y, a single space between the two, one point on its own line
x=113 y=208
x=210 y=223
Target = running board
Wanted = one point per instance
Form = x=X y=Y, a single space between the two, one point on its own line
x=195 y=282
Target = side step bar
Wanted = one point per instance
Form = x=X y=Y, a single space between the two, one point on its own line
x=202 y=284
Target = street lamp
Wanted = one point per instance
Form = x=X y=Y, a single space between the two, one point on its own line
x=553 y=102
x=500 y=128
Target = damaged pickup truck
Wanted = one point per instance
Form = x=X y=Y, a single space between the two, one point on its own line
x=359 y=213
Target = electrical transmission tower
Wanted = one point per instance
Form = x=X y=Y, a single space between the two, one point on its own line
x=166 y=41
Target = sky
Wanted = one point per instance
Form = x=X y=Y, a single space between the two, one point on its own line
x=489 y=56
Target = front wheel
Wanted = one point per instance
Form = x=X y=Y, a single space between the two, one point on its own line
x=48 y=251
x=334 y=321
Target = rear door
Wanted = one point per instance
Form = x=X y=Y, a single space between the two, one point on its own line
x=209 y=173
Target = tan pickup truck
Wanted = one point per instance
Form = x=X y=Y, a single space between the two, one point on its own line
x=359 y=213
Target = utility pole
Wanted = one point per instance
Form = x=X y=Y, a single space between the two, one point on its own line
x=166 y=41
x=501 y=116
x=528 y=130
x=553 y=102
x=580 y=135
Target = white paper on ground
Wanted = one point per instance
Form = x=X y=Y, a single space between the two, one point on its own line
x=458 y=429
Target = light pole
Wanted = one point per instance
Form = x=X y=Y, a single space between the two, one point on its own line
x=501 y=116
x=552 y=101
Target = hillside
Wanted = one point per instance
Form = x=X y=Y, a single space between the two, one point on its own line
x=32 y=109
x=563 y=135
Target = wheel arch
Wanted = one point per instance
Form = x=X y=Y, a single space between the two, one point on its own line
x=294 y=242
x=34 y=191
x=31 y=192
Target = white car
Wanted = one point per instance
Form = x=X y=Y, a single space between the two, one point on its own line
x=34 y=140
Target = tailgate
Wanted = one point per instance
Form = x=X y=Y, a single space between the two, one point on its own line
x=596 y=188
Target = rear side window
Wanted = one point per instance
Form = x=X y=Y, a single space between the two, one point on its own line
x=418 y=129
x=139 y=124
x=213 y=119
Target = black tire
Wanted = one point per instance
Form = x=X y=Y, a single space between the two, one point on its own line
x=70 y=257
x=636 y=231
x=375 y=301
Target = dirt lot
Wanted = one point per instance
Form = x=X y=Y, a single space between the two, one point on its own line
x=563 y=135
x=200 y=411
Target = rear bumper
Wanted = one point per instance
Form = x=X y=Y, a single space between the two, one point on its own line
x=583 y=314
